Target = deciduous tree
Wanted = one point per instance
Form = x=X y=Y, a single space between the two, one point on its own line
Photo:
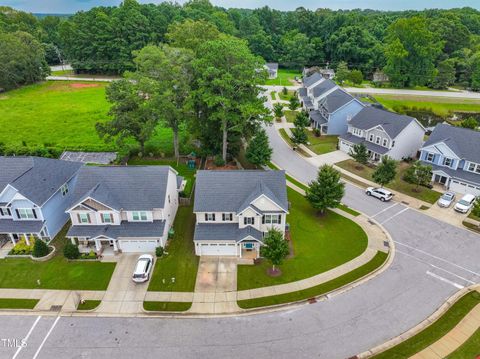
x=327 y=190
x=275 y=249
x=385 y=171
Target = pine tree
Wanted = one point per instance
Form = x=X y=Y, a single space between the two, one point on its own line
x=326 y=191
x=258 y=150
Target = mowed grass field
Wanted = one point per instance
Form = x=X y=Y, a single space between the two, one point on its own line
x=62 y=114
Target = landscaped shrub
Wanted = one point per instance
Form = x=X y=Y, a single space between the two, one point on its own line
x=71 y=251
x=159 y=251
x=40 y=249
x=89 y=255
x=22 y=248
x=476 y=208
x=218 y=161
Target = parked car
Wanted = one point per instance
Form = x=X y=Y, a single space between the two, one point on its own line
x=446 y=200
x=381 y=193
x=465 y=204
x=143 y=268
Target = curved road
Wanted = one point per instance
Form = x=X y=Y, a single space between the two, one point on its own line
x=433 y=260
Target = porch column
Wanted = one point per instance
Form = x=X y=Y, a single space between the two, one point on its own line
x=12 y=239
x=115 y=246
x=26 y=239
x=72 y=239
x=239 y=246
x=98 y=245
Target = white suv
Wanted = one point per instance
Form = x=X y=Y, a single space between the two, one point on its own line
x=465 y=204
x=380 y=193
x=143 y=268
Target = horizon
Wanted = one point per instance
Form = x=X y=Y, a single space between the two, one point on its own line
x=62 y=7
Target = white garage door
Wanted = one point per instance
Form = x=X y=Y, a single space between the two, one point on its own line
x=461 y=187
x=345 y=147
x=137 y=246
x=214 y=249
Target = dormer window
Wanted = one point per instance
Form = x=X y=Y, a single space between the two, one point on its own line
x=139 y=216
x=370 y=138
x=227 y=217
x=83 y=218
x=26 y=213
x=447 y=162
x=385 y=142
x=64 y=189
x=107 y=218
x=5 y=212
x=248 y=220
x=377 y=140
x=430 y=157
x=209 y=217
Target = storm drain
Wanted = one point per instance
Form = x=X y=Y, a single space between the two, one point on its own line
x=312 y=300
x=386 y=244
x=56 y=308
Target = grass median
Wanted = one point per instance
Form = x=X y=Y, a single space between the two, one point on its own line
x=14 y=303
x=167 y=306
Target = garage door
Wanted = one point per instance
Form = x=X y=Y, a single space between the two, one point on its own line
x=137 y=246
x=213 y=249
x=345 y=147
x=461 y=187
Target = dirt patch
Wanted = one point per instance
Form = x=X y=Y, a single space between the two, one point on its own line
x=4 y=97
x=81 y=86
x=210 y=165
x=274 y=273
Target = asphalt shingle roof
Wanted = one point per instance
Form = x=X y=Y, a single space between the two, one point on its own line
x=464 y=142
x=11 y=226
x=272 y=65
x=36 y=178
x=124 y=229
x=317 y=117
x=458 y=174
x=123 y=187
x=323 y=87
x=369 y=145
x=228 y=191
x=310 y=80
x=336 y=99
x=391 y=122
x=227 y=232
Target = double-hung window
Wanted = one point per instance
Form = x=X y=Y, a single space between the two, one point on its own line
x=385 y=142
x=248 y=220
x=26 y=213
x=447 y=162
x=272 y=219
x=139 y=216
x=227 y=217
x=84 y=218
x=209 y=217
x=5 y=212
x=64 y=189
x=377 y=140
x=370 y=138
x=107 y=218
x=430 y=157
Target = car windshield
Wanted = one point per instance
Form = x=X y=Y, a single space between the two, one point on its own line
x=447 y=196
x=465 y=203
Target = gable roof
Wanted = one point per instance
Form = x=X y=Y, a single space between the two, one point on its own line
x=233 y=191
x=272 y=66
x=323 y=87
x=36 y=178
x=310 y=80
x=464 y=142
x=123 y=187
x=370 y=117
x=333 y=101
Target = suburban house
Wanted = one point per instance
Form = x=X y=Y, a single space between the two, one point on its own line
x=383 y=133
x=34 y=194
x=272 y=69
x=327 y=73
x=123 y=208
x=234 y=209
x=454 y=154
x=329 y=106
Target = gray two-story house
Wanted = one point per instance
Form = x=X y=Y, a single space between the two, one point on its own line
x=383 y=133
x=34 y=194
x=454 y=154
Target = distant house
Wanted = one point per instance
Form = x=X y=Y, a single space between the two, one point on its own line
x=330 y=107
x=272 y=69
x=234 y=209
x=380 y=77
x=34 y=193
x=384 y=133
x=123 y=209
x=326 y=73
x=454 y=154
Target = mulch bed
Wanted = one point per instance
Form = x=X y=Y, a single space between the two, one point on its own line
x=276 y=273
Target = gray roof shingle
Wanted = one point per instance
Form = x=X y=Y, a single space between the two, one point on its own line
x=336 y=99
x=369 y=145
x=227 y=232
x=471 y=177
x=123 y=187
x=272 y=65
x=310 y=80
x=228 y=191
x=36 y=178
x=323 y=87
x=11 y=226
x=464 y=142
x=391 y=122
x=124 y=229
x=317 y=117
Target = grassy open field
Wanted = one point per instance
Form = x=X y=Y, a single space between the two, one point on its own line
x=62 y=114
x=285 y=78
x=440 y=106
x=320 y=244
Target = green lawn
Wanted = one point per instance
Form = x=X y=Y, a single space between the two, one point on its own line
x=89 y=305
x=441 y=106
x=61 y=114
x=322 y=144
x=181 y=168
x=13 y=303
x=435 y=331
x=288 y=96
x=320 y=244
x=167 y=306
x=323 y=288
x=290 y=115
x=468 y=350
x=181 y=262
x=424 y=194
x=287 y=138
x=285 y=78
x=56 y=273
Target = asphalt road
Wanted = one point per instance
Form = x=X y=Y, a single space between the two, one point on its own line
x=433 y=260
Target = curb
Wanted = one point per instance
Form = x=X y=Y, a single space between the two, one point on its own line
x=419 y=327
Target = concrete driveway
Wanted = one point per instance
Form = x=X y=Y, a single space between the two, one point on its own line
x=123 y=296
x=216 y=274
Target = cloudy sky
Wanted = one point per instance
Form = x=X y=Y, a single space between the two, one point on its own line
x=71 y=6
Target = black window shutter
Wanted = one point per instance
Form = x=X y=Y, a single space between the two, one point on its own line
x=34 y=214
x=263 y=219
x=79 y=219
x=1 y=211
x=18 y=214
x=279 y=218
x=206 y=217
x=213 y=214
x=253 y=220
x=223 y=216
x=244 y=220
x=9 y=212
x=88 y=218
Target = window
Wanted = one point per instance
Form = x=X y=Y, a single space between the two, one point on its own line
x=393 y=143
x=447 y=162
x=377 y=140
x=429 y=157
x=474 y=167
x=357 y=132
x=209 y=217
x=139 y=216
x=272 y=219
x=26 y=213
x=5 y=212
x=64 y=189
x=84 y=218
x=107 y=218
x=249 y=220
x=168 y=198
x=371 y=137
x=227 y=217
x=385 y=142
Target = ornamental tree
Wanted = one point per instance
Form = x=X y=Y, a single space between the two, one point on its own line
x=275 y=249
x=326 y=191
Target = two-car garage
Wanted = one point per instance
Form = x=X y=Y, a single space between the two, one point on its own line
x=216 y=249
x=463 y=187
x=138 y=245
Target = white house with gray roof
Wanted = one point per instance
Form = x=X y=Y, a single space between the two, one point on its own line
x=234 y=209
x=34 y=193
x=272 y=69
x=454 y=154
x=329 y=106
x=123 y=208
x=384 y=133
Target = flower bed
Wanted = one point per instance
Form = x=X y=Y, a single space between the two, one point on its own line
x=22 y=248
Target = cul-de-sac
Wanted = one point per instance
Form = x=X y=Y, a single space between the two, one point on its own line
x=236 y=179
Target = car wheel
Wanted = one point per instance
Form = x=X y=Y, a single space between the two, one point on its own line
x=382 y=199
x=369 y=193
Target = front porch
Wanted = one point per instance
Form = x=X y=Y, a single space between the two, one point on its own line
x=101 y=245
x=249 y=250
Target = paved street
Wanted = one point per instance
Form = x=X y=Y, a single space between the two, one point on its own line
x=433 y=260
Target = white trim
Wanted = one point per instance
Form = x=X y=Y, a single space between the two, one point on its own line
x=262 y=195
x=93 y=199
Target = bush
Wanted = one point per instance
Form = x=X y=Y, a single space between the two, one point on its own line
x=409 y=175
x=89 y=255
x=316 y=132
x=22 y=248
x=159 y=251
x=476 y=208
x=218 y=161
x=71 y=251
x=40 y=249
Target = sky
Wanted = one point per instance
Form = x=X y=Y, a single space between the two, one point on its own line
x=71 y=6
